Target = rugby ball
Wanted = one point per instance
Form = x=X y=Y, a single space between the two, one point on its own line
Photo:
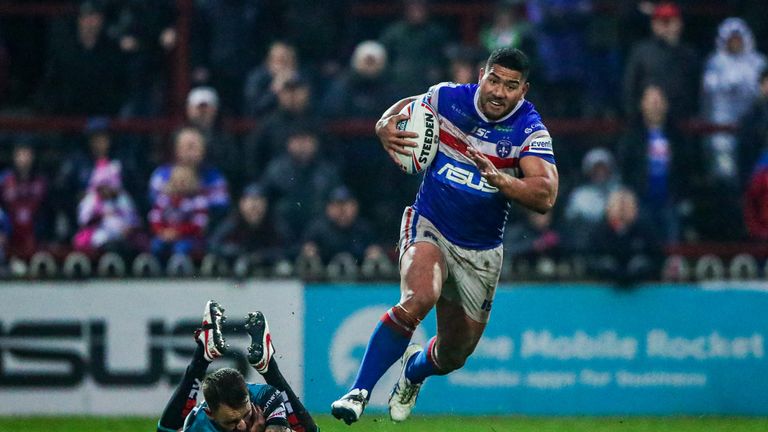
x=422 y=119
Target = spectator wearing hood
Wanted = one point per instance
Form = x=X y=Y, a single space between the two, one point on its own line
x=586 y=205
x=106 y=215
x=730 y=85
x=363 y=90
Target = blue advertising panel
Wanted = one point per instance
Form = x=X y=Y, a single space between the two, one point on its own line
x=565 y=350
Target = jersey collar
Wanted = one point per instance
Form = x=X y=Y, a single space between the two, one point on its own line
x=485 y=119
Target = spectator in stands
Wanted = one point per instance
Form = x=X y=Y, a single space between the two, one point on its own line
x=5 y=69
x=586 y=205
x=340 y=231
x=298 y=181
x=249 y=231
x=179 y=216
x=190 y=150
x=227 y=41
x=221 y=147
x=106 y=215
x=23 y=191
x=756 y=201
x=730 y=86
x=509 y=27
x=318 y=30
x=415 y=46
x=753 y=134
x=145 y=33
x=561 y=53
x=663 y=60
x=293 y=111
x=531 y=237
x=85 y=72
x=463 y=64
x=72 y=179
x=265 y=82
x=626 y=248
x=657 y=164
x=363 y=90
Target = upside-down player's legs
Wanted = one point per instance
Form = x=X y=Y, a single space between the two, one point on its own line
x=210 y=345
x=298 y=416
x=261 y=357
x=184 y=398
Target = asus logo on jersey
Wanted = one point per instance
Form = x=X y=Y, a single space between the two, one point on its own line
x=465 y=177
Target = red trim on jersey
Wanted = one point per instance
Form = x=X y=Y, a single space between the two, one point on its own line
x=460 y=146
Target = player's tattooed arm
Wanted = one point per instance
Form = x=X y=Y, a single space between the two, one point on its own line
x=537 y=190
x=392 y=139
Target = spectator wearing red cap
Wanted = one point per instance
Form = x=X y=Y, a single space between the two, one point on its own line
x=665 y=61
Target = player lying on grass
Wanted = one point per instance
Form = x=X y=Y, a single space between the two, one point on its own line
x=231 y=404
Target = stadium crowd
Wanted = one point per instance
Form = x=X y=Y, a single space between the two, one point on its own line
x=289 y=190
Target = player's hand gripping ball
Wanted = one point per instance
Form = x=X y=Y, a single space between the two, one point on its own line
x=422 y=119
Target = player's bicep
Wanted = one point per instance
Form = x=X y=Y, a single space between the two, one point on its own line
x=537 y=167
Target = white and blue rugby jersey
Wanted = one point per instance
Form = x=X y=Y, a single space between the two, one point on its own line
x=453 y=195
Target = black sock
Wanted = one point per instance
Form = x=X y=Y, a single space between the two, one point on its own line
x=302 y=421
x=184 y=398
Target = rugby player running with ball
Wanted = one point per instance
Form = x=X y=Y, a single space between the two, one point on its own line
x=494 y=151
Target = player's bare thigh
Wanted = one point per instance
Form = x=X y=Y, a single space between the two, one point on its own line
x=457 y=335
x=422 y=274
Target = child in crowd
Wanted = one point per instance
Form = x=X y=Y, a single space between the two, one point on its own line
x=179 y=215
x=106 y=214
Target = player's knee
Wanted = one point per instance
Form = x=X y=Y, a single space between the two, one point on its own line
x=450 y=360
x=419 y=303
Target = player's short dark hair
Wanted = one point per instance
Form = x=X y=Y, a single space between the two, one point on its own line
x=510 y=58
x=225 y=386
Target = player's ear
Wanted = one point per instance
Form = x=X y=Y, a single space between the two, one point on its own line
x=526 y=87
x=480 y=76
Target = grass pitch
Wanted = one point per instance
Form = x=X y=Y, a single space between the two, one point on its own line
x=380 y=423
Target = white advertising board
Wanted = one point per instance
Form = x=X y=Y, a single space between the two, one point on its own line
x=118 y=347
